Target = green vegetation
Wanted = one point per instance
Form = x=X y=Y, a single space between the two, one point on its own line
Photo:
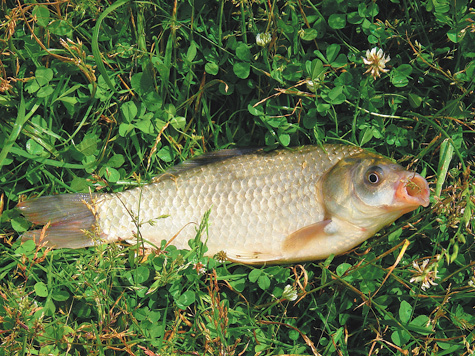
x=99 y=96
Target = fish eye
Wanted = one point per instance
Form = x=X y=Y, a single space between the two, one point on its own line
x=374 y=175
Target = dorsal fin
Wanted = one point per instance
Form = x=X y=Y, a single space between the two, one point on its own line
x=208 y=158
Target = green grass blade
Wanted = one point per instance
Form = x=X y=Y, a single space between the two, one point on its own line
x=446 y=155
x=95 y=42
x=17 y=127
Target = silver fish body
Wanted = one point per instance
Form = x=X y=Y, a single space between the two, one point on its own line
x=282 y=206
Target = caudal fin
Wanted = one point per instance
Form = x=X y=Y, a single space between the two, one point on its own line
x=69 y=216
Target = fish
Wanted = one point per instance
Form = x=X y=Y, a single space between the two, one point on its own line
x=283 y=206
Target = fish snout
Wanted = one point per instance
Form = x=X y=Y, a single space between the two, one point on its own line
x=413 y=190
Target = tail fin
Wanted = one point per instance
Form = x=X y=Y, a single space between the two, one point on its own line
x=68 y=214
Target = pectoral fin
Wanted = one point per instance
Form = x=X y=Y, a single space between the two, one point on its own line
x=312 y=242
x=297 y=240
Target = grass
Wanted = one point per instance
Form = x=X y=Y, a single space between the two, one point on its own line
x=104 y=96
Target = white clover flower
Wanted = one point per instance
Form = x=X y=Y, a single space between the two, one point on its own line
x=311 y=85
x=263 y=39
x=289 y=293
x=376 y=62
x=314 y=84
x=199 y=268
x=425 y=273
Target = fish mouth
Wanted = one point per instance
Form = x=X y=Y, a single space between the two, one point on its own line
x=412 y=190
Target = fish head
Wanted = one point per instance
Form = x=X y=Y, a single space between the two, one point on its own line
x=371 y=191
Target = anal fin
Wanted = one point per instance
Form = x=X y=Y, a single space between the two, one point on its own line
x=253 y=257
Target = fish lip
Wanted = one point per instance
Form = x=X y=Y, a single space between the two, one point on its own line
x=412 y=190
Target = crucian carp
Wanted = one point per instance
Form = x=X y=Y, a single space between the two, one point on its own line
x=282 y=206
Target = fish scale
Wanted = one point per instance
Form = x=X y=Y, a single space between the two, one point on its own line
x=282 y=206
